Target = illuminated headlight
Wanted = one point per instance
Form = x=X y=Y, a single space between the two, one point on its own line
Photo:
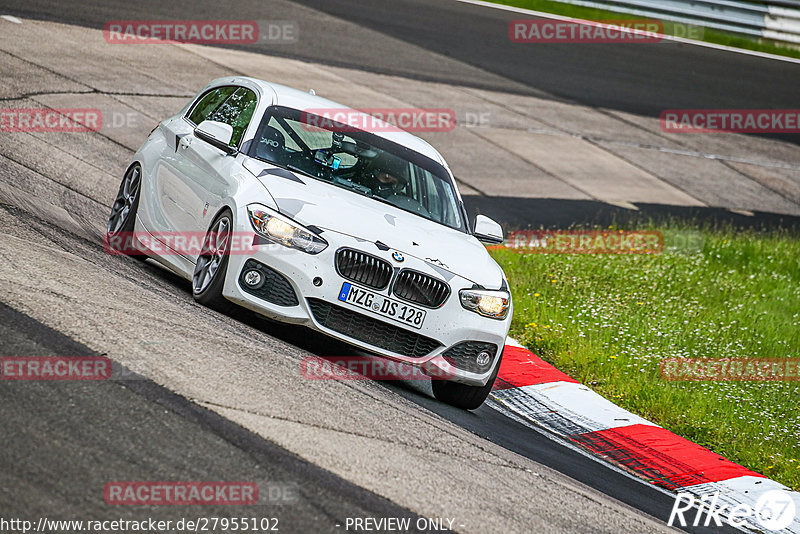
x=494 y=304
x=284 y=231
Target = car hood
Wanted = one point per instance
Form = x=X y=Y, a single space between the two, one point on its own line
x=326 y=206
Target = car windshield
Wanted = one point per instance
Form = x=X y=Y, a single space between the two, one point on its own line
x=361 y=162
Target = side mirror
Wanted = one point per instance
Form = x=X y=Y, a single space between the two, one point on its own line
x=217 y=134
x=487 y=230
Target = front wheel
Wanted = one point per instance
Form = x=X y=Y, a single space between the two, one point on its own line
x=212 y=264
x=121 y=222
x=462 y=395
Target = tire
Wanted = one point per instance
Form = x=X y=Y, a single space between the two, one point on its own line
x=461 y=395
x=212 y=264
x=122 y=220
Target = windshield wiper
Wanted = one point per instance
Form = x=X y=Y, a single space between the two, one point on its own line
x=352 y=186
x=381 y=199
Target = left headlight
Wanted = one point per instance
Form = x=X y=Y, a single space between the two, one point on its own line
x=284 y=231
x=493 y=304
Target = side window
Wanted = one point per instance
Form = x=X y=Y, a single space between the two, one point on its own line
x=208 y=103
x=237 y=111
x=436 y=197
x=447 y=201
x=434 y=204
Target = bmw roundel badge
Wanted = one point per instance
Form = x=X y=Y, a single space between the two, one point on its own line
x=397 y=256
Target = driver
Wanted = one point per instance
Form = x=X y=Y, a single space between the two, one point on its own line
x=387 y=178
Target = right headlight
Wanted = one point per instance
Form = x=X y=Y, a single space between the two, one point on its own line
x=494 y=304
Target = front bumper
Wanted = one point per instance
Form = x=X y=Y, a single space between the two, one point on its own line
x=435 y=348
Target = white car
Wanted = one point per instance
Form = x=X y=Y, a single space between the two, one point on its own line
x=361 y=235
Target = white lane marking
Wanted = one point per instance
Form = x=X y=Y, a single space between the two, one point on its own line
x=684 y=40
x=10 y=18
x=576 y=403
x=510 y=341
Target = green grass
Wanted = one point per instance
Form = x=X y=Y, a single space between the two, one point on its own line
x=608 y=320
x=670 y=28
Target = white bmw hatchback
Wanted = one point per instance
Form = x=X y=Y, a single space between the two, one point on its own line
x=361 y=235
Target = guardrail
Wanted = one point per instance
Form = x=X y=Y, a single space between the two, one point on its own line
x=778 y=20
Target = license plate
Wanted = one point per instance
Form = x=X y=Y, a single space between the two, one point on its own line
x=367 y=300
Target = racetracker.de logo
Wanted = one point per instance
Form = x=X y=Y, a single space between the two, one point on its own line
x=50 y=120
x=181 y=31
x=366 y=368
x=190 y=244
x=379 y=119
x=731 y=369
x=584 y=242
x=567 y=31
x=180 y=493
x=730 y=120
x=55 y=367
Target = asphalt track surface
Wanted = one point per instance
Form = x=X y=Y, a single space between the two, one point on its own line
x=134 y=429
x=70 y=438
x=452 y=42
x=641 y=81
